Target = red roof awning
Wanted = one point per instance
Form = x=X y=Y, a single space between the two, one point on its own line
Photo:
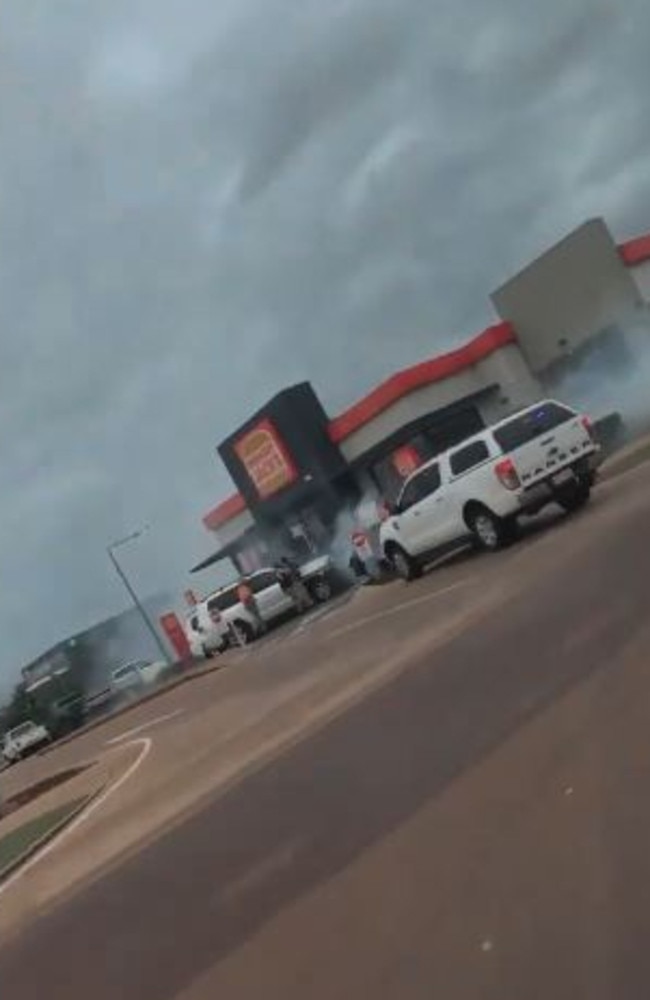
x=225 y=511
x=434 y=370
x=635 y=251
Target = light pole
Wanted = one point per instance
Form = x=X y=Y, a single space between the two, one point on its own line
x=110 y=549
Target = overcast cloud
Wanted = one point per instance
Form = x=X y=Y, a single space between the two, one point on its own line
x=202 y=202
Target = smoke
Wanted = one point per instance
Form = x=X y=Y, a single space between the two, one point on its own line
x=613 y=377
x=119 y=640
x=363 y=516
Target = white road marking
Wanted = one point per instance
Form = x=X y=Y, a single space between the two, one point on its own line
x=84 y=815
x=396 y=608
x=145 y=725
x=311 y=619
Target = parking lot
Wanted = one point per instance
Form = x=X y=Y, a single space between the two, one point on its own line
x=405 y=718
x=253 y=699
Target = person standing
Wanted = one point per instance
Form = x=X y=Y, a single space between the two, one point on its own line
x=293 y=584
x=246 y=597
x=365 y=553
x=284 y=576
x=358 y=567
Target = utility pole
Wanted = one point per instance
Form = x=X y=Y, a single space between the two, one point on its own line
x=137 y=603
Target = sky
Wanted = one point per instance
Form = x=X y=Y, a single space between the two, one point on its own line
x=201 y=203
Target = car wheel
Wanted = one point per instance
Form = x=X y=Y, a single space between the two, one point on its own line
x=574 y=498
x=404 y=565
x=490 y=531
x=242 y=633
x=321 y=590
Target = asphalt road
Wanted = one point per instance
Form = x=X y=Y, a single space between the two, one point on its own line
x=477 y=826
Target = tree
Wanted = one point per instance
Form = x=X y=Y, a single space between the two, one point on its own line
x=21 y=708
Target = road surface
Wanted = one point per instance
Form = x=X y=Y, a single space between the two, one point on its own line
x=473 y=825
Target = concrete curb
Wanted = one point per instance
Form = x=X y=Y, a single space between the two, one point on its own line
x=34 y=848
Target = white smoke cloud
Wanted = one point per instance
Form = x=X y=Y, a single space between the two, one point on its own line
x=599 y=387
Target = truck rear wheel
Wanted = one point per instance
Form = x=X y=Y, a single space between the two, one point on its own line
x=490 y=531
x=575 y=497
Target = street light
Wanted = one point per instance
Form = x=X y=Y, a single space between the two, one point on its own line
x=110 y=549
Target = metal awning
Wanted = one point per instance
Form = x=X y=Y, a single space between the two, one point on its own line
x=225 y=552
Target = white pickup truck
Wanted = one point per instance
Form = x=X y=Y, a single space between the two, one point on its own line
x=23 y=740
x=221 y=620
x=478 y=489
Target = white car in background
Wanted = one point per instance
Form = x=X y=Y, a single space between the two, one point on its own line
x=207 y=634
x=196 y=632
x=23 y=740
x=136 y=674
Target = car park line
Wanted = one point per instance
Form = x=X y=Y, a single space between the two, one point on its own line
x=319 y=614
x=145 y=725
x=397 y=608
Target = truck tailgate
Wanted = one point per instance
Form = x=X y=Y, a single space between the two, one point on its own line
x=539 y=450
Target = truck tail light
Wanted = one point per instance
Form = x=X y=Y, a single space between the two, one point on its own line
x=588 y=425
x=507 y=474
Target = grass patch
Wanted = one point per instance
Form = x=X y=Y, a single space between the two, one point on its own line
x=28 y=795
x=16 y=843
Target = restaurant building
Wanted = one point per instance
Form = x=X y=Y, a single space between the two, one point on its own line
x=297 y=469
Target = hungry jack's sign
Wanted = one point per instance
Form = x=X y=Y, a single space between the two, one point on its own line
x=264 y=455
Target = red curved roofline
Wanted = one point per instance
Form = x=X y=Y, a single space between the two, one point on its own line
x=635 y=251
x=406 y=381
x=224 y=512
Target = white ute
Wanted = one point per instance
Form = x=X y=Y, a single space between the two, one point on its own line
x=222 y=621
x=479 y=488
x=23 y=740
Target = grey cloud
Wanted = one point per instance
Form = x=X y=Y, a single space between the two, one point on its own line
x=326 y=76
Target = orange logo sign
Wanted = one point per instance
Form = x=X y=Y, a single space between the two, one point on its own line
x=266 y=460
